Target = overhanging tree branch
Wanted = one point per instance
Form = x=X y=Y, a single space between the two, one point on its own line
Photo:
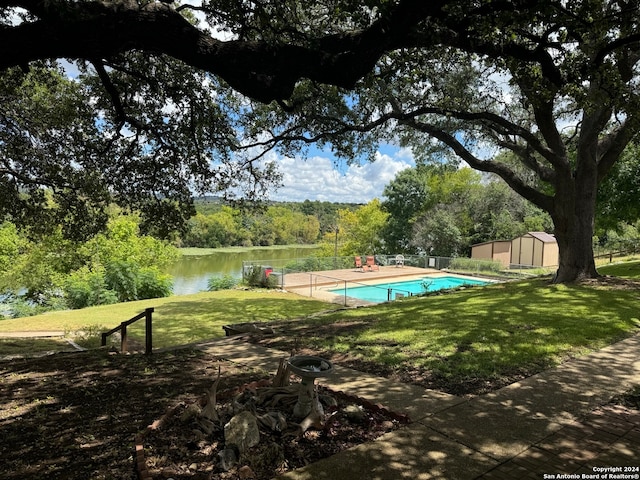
x=96 y=29
x=612 y=146
x=537 y=198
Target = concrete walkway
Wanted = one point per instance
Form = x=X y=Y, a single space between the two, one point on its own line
x=553 y=423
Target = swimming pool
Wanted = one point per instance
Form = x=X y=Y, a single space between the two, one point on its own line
x=391 y=291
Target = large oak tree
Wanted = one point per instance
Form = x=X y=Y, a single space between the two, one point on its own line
x=554 y=82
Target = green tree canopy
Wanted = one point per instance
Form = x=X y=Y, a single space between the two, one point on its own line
x=619 y=194
x=553 y=82
x=11 y=246
x=359 y=231
x=452 y=208
x=117 y=265
x=405 y=199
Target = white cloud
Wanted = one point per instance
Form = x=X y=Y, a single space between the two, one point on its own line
x=318 y=179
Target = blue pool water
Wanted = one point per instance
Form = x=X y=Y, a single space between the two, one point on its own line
x=390 y=291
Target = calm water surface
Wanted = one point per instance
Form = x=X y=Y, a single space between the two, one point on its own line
x=191 y=272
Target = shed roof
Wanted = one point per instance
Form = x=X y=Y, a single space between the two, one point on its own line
x=490 y=241
x=543 y=237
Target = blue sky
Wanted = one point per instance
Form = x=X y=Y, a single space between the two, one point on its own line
x=320 y=177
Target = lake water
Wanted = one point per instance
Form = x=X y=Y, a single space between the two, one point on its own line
x=192 y=272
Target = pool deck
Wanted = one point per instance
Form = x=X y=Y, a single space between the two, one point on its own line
x=317 y=284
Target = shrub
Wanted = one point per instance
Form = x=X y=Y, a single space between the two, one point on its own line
x=86 y=287
x=313 y=264
x=153 y=284
x=475 y=265
x=121 y=277
x=119 y=282
x=19 y=306
x=254 y=276
x=225 y=282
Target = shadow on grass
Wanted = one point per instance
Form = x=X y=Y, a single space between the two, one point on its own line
x=31 y=346
x=474 y=340
x=186 y=321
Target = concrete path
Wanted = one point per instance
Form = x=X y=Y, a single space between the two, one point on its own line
x=550 y=424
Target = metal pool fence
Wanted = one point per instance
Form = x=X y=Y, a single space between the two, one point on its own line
x=329 y=284
x=260 y=270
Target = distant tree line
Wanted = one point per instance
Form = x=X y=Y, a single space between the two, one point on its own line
x=434 y=209
x=218 y=225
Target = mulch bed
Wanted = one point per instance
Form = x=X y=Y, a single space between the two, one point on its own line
x=175 y=448
x=76 y=416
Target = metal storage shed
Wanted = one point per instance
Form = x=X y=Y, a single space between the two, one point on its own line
x=533 y=249
x=536 y=249
x=497 y=250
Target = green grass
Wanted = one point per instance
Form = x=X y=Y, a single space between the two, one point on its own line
x=490 y=332
x=484 y=332
x=177 y=320
x=629 y=269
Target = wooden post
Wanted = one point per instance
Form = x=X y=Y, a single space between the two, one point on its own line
x=103 y=342
x=148 y=331
x=123 y=337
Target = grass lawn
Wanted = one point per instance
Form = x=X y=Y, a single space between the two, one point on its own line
x=493 y=334
x=496 y=333
x=630 y=269
x=177 y=320
x=18 y=346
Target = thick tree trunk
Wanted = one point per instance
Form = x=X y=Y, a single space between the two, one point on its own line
x=576 y=253
x=573 y=216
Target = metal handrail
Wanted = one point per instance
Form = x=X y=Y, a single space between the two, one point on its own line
x=122 y=328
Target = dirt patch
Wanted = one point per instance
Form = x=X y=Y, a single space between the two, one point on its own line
x=75 y=416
